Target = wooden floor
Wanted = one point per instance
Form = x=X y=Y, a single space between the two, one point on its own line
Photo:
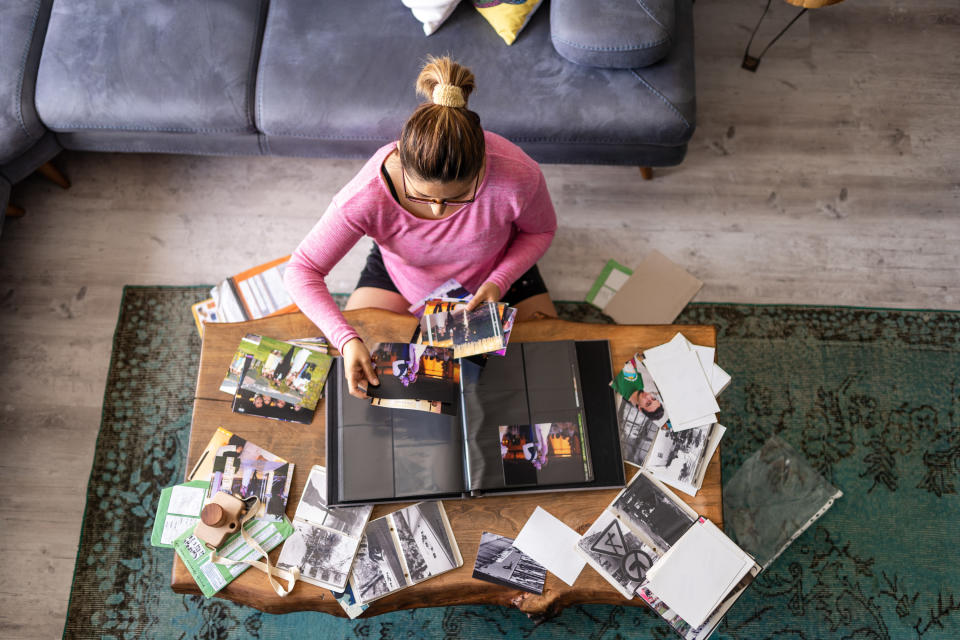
x=831 y=176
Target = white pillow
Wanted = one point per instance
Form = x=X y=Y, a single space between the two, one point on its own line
x=431 y=13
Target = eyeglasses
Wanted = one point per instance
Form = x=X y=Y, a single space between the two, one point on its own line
x=439 y=201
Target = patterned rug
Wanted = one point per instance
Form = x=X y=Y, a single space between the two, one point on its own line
x=871 y=397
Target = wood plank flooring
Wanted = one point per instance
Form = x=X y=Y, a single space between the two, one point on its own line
x=831 y=176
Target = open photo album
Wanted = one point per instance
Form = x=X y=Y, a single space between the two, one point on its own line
x=540 y=418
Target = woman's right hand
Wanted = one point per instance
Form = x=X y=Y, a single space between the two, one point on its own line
x=358 y=367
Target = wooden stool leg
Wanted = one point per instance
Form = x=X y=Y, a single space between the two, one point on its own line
x=14 y=211
x=646 y=173
x=53 y=174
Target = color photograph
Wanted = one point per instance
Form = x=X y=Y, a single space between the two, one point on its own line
x=285 y=372
x=415 y=371
x=545 y=453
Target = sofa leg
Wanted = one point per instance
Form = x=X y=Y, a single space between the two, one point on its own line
x=53 y=174
x=646 y=173
x=13 y=211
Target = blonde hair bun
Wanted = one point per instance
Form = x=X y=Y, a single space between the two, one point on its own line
x=445 y=82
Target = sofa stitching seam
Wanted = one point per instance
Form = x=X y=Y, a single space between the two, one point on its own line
x=251 y=70
x=23 y=69
x=662 y=98
x=65 y=127
x=640 y=46
x=306 y=136
x=646 y=9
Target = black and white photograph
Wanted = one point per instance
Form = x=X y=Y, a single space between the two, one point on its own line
x=324 y=557
x=677 y=455
x=313 y=507
x=616 y=553
x=428 y=548
x=637 y=433
x=499 y=562
x=377 y=570
x=653 y=512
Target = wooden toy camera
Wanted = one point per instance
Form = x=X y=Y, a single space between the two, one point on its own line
x=221 y=518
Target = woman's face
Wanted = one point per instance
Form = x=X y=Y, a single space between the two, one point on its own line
x=440 y=192
x=644 y=401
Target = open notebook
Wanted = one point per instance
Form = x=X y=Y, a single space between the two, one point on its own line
x=540 y=418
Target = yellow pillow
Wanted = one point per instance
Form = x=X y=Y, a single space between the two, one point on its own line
x=507 y=17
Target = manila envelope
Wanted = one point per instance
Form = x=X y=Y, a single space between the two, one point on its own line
x=656 y=293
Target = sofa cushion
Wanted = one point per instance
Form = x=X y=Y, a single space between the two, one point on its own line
x=613 y=34
x=151 y=66
x=508 y=18
x=23 y=24
x=338 y=79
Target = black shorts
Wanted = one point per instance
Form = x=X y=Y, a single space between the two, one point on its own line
x=375 y=275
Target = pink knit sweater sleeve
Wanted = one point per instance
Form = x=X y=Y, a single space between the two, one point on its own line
x=536 y=225
x=326 y=244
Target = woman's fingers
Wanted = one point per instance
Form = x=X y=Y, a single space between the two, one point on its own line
x=369 y=372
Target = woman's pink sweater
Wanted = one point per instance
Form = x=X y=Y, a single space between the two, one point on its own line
x=496 y=238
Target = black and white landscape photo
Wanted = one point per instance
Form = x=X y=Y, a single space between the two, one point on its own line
x=499 y=562
x=313 y=507
x=377 y=570
x=427 y=548
x=653 y=512
x=616 y=553
x=324 y=557
x=678 y=455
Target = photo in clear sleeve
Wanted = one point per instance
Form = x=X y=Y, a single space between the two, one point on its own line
x=313 y=507
x=415 y=371
x=427 y=549
x=322 y=555
x=616 y=553
x=499 y=562
x=653 y=512
x=543 y=453
x=377 y=569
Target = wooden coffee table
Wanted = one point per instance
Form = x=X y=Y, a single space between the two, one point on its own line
x=304 y=446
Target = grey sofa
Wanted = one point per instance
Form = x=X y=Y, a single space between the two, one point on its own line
x=320 y=78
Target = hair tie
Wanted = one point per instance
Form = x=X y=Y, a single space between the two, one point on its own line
x=449 y=95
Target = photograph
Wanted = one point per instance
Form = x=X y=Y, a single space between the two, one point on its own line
x=509 y=316
x=449 y=290
x=499 y=562
x=635 y=385
x=377 y=570
x=427 y=548
x=469 y=333
x=324 y=557
x=637 y=433
x=649 y=509
x=243 y=468
x=313 y=508
x=678 y=455
x=280 y=370
x=544 y=453
x=616 y=553
x=430 y=406
x=252 y=403
x=415 y=371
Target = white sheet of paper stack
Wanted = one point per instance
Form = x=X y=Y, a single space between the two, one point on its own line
x=718 y=378
x=684 y=388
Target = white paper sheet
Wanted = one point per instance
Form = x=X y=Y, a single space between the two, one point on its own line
x=698 y=572
x=186 y=500
x=551 y=543
x=683 y=386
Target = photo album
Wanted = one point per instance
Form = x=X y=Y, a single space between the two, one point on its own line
x=534 y=419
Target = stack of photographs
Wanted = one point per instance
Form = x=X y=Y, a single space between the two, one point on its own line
x=325 y=540
x=499 y=562
x=469 y=333
x=449 y=291
x=275 y=379
x=415 y=376
x=404 y=548
x=233 y=465
x=677 y=458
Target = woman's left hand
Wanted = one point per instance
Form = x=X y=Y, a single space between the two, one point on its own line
x=488 y=292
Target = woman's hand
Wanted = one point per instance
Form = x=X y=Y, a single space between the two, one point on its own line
x=488 y=292
x=358 y=367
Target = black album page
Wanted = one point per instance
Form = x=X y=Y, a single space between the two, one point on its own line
x=386 y=454
x=524 y=422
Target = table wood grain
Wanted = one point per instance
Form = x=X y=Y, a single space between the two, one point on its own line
x=304 y=445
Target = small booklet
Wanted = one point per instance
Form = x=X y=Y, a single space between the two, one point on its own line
x=233 y=465
x=469 y=333
x=678 y=458
x=404 y=548
x=178 y=511
x=325 y=540
x=212 y=577
x=499 y=562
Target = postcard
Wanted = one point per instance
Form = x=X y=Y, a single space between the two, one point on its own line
x=551 y=543
x=233 y=465
x=499 y=562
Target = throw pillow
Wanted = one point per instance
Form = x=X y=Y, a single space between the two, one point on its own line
x=507 y=17
x=431 y=13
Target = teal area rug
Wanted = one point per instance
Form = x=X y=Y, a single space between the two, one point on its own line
x=871 y=397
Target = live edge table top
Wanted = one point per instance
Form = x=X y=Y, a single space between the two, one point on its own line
x=304 y=445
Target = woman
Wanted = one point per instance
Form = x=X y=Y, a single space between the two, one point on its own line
x=448 y=200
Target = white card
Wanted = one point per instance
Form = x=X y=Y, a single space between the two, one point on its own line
x=173 y=526
x=551 y=543
x=698 y=572
x=683 y=386
x=186 y=500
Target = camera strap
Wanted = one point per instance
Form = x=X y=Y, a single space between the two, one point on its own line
x=290 y=576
